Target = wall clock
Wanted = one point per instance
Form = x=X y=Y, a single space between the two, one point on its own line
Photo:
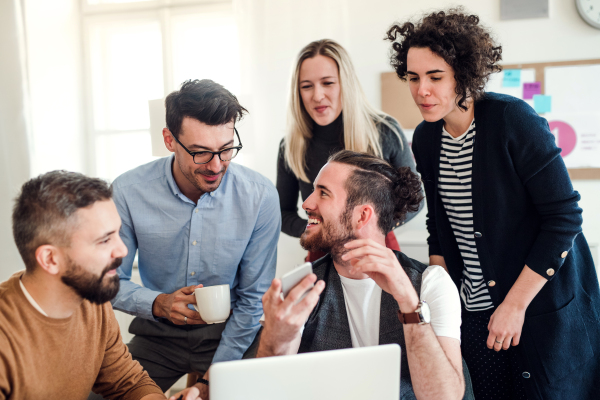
x=589 y=11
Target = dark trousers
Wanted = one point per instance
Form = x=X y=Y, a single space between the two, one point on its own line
x=167 y=351
x=494 y=375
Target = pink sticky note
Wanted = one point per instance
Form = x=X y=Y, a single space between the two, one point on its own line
x=529 y=89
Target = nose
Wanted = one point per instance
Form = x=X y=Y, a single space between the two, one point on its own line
x=309 y=203
x=214 y=165
x=424 y=89
x=120 y=249
x=318 y=94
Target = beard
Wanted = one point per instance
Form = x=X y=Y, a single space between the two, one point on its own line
x=89 y=286
x=195 y=177
x=331 y=237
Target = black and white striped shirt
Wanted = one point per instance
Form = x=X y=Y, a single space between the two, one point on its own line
x=454 y=185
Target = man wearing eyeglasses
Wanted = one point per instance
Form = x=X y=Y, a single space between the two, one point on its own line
x=195 y=218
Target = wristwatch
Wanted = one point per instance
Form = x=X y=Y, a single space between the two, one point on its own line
x=421 y=316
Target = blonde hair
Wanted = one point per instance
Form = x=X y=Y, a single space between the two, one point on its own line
x=360 y=119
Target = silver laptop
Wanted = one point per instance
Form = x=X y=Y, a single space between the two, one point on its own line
x=363 y=373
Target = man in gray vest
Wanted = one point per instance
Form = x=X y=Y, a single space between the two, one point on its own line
x=366 y=294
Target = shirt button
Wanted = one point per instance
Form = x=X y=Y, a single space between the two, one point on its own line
x=526 y=375
x=478 y=234
x=192 y=273
x=491 y=283
x=196 y=211
x=194 y=243
x=564 y=254
x=550 y=271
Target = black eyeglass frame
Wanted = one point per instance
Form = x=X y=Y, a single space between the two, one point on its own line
x=213 y=153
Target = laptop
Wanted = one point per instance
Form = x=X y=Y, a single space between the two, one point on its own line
x=362 y=373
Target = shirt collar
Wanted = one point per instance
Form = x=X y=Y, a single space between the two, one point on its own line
x=31 y=299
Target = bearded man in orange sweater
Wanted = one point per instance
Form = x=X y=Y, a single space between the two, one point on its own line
x=59 y=338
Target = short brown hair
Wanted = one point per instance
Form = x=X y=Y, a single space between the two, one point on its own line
x=204 y=100
x=456 y=37
x=44 y=209
x=392 y=192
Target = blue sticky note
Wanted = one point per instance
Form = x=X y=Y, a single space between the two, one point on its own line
x=512 y=78
x=541 y=103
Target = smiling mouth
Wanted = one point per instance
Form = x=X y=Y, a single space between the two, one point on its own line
x=209 y=177
x=313 y=222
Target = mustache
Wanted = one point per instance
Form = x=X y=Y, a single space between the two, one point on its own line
x=209 y=173
x=114 y=265
x=313 y=215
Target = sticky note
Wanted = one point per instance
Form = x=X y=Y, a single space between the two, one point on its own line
x=530 y=89
x=541 y=103
x=512 y=78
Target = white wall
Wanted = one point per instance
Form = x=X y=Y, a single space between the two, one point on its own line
x=56 y=85
x=273 y=31
x=14 y=129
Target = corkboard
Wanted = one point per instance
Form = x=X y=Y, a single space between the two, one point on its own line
x=397 y=101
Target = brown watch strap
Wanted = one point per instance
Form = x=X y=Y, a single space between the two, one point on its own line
x=409 y=318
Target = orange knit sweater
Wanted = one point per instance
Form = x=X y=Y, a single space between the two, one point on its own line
x=47 y=358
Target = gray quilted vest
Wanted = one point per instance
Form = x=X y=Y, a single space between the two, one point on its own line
x=327 y=326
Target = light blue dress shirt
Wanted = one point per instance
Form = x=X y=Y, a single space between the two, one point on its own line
x=230 y=237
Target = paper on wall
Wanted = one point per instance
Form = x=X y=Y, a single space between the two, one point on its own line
x=575 y=115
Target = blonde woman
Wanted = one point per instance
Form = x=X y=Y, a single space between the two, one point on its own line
x=328 y=112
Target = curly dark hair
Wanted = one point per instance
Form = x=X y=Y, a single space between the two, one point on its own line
x=392 y=192
x=456 y=37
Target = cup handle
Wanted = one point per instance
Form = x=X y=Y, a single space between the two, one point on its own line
x=196 y=307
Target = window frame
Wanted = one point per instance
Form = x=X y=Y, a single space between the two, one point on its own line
x=156 y=10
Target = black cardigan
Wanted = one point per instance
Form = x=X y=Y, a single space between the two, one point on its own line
x=525 y=212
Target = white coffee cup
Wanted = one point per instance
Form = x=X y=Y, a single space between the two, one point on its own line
x=213 y=303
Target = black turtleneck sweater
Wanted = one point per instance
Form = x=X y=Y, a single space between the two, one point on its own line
x=326 y=141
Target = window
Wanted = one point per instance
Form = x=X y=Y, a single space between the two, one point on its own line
x=140 y=50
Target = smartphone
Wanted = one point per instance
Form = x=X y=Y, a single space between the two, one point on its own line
x=294 y=277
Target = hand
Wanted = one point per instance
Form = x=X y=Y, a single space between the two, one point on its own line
x=380 y=264
x=174 y=306
x=284 y=318
x=505 y=326
x=191 y=393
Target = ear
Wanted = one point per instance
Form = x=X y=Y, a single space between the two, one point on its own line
x=364 y=214
x=168 y=139
x=48 y=258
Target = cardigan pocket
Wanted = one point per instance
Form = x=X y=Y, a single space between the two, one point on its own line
x=561 y=341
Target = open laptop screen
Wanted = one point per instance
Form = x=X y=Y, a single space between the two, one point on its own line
x=363 y=373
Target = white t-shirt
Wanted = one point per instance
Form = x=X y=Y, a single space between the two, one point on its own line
x=363 y=304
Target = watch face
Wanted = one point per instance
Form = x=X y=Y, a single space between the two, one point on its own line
x=589 y=11
x=425 y=312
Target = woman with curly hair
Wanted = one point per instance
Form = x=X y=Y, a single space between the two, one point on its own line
x=328 y=112
x=503 y=217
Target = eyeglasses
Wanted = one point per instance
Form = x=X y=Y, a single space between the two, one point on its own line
x=204 y=157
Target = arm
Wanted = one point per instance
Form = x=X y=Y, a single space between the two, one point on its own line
x=131 y=298
x=400 y=154
x=507 y=321
x=255 y=272
x=120 y=376
x=538 y=163
x=431 y=359
x=287 y=187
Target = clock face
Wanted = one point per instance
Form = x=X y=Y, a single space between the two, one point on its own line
x=589 y=11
